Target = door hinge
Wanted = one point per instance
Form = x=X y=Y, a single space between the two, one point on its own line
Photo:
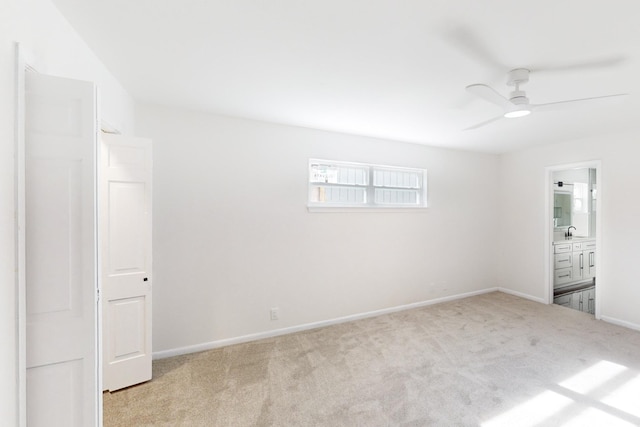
x=97 y=295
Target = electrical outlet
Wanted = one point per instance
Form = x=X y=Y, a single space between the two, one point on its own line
x=275 y=313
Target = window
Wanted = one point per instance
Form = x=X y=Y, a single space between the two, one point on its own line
x=359 y=185
x=580 y=197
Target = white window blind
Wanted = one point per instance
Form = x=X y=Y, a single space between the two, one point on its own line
x=345 y=184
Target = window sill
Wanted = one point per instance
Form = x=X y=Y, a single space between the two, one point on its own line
x=367 y=209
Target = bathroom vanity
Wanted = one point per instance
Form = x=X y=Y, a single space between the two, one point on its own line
x=574 y=273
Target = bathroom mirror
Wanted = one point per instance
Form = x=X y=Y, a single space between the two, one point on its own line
x=574 y=201
x=562 y=209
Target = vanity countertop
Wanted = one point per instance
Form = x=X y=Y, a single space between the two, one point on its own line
x=573 y=240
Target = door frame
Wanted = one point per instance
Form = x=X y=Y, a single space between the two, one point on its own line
x=548 y=240
x=24 y=61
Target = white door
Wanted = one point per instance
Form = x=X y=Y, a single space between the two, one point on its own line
x=60 y=243
x=125 y=226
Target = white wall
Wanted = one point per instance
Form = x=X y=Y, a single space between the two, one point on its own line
x=523 y=213
x=233 y=237
x=55 y=49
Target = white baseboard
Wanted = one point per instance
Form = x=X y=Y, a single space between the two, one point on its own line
x=307 y=326
x=521 y=295
x=619 y=322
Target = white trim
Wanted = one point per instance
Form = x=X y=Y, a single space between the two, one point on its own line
x=548 y=289
x=548 y=236
x=368 y=209
x=19 y=230
x=97 y=255
x=599 y=246
x=619 y=322
x=522 y=295
x=307 y=326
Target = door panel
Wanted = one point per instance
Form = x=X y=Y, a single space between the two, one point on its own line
x=54 y=211
x=126 y=260
x=128 y=319
x=60 y=246
x=55 y=389
x=126 y=228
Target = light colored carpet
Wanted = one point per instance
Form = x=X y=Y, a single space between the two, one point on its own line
x=493 y=359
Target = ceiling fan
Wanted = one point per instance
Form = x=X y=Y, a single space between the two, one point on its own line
x=517 y=104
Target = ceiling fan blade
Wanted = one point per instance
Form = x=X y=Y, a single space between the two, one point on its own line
x=490 y=94
x=597 y=64
x=486 y=122
x=470 y=43
x=561 y=105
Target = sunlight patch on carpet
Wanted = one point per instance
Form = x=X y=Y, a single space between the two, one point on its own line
x=593 y=377
x=605 y=393
x=626 y=397
x=531 y=412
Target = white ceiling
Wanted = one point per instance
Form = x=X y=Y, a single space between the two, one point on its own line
x=394 y=69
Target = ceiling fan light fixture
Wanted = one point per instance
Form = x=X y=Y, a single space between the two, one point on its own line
x=518 y=111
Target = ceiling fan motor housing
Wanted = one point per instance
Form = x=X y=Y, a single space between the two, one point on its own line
x=519 y=104
x=517 y=77
x=518 y=97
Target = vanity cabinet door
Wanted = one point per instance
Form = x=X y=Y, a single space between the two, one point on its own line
x=589 y=259
x=577 y=265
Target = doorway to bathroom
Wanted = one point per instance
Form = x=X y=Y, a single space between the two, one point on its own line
x=573 y=224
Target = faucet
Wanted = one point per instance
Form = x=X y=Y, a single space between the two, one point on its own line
x=568 y=234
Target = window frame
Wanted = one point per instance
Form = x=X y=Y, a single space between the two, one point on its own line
x=369 y=204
